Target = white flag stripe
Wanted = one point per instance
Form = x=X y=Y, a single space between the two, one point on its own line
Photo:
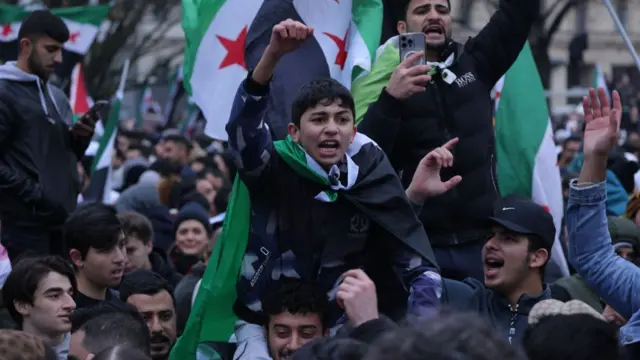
x=213 y=88
x=82 y=35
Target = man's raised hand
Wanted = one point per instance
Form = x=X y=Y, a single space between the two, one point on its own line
x=602 y=122
x=408 y=79
x=287 y=36
x=426 y=180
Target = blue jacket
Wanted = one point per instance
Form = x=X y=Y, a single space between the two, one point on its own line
x=591 y=253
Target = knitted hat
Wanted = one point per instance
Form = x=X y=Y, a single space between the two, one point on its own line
x=192 y=211
x=553 y=307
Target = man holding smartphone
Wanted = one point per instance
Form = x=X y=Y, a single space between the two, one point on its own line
x=39 y=181
x=424 y=106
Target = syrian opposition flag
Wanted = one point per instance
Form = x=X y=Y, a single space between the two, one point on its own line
x=226 y=37
x=373 y=187
x=526 y=154
x=100 y=183
x=83 y=23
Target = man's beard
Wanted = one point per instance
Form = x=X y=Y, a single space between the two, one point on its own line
x=286 y=353
x=160 y=339
x=35 y=65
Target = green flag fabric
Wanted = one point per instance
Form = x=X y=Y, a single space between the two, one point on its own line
x=376 y=189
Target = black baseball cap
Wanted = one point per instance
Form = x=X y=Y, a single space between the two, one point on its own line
x=522 y=216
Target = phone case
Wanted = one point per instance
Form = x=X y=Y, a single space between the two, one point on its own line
x=410 y=44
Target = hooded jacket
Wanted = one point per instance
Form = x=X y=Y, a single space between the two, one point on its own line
x=39 y=182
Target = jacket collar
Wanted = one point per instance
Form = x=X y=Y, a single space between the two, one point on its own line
x=526 y=301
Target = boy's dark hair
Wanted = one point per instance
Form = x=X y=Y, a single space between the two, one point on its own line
x=121 y=352
x=323 y=92
x=295 y=296
x=93 y=225
x=81 y=316
x=136 y=224
x=143 y=281
x=448 y=335
x=166 y=168
x=43 y=23
x=145 y=151
x=331 y=348
x=569 y=337
x=210 y=169
x=221 y=200
x=179 y=139
x=116 y=328
x=22 y=282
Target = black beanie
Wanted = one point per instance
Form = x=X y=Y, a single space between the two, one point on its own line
x=192 y=211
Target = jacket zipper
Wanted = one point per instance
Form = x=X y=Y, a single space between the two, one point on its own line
x=256 y=276
x=512 y=323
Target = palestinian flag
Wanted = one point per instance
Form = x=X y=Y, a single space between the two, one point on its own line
x=100 y=184
x=374 y=189
x=525 y=149
x=226 y=37
x=83 y=23
x=78 y=97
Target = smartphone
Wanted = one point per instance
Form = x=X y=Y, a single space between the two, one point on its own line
x=412 y=43
x=97 y=108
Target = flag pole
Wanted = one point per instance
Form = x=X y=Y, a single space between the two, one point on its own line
x=123 y=79
x=623 y=32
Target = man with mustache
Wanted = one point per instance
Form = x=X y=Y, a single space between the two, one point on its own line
x=152 y=295
x=424 y=106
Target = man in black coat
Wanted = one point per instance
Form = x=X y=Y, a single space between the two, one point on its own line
x=39 y=149
x=417 y=112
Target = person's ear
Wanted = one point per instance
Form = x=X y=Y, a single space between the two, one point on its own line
x=76 y=258
x=401 y=27
x=22 y=308
x=26 y=43
x=539 y=258
x=355 y=132
x=294 y=132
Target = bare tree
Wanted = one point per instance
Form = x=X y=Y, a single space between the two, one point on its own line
x=136 y=28
x=544 y=29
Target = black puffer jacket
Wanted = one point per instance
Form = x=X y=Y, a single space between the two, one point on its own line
x=39 y=182
x=408 y=130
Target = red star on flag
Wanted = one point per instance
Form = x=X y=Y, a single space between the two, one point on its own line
x=73 y=37
x=235 y=49
x=7 y=30
x=341 y=58
x=546 y=208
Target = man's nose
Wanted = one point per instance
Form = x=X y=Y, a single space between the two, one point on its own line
x=121 y=257
x=154 y=325
x=296 y=342
x=69 y=303
x=57 y=58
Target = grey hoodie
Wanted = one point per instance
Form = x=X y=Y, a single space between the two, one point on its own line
x=38 y=172
x=10 y=71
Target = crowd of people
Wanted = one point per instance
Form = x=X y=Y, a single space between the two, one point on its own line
x=386 y=240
